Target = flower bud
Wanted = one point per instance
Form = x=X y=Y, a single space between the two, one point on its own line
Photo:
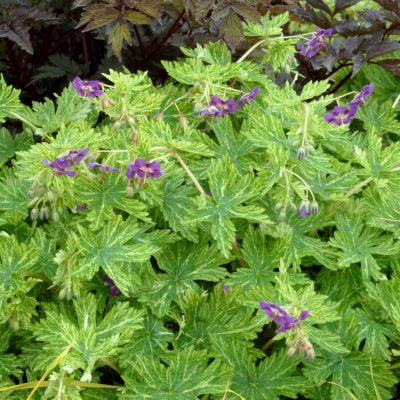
x=304 y=208
x=309 y=350
x=130 y=191
x=159 y=116
x=44 y=213
x=301 y=153
x=182 y=120
x=117 y=124
x=292 y=351
x=34 y=213
x=55 y=216
x=131 y=120
x=51 y=195
x=313 y=208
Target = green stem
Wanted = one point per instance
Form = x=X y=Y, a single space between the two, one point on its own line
x=267 y=344
x=17 y=116
x=304 y=182
x=250 y=50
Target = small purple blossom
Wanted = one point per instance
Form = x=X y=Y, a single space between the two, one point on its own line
x=340 y=115
x=281 y=317
x=87 y=88
x=60 y=164
x=246 y=98
x=304 y=209
x=114 y=291
x=81 y=207
x=104 y=168
x=362 y=96
x=219 y=107
x=59 y=167
x=315 y=43
x=225 y=288
x=143 y=169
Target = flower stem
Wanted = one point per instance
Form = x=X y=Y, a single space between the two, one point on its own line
x=267 y=344
x=17 y=116
x=250 y=50
x=183 y=165
x=304 y=182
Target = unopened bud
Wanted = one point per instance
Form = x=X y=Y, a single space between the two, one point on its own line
x=134 y=138
x=117 y=124
x=55 y=216
x=292 y=351
x=34 y=213
x=31 y=192
x=131 y=120
x=304 y=208
x=130 y=191
x=309 y=350
x=182 y=120
x=44 y=213
x=159 y=116
x=301 y=153
x=313 y=208
x=51 y=195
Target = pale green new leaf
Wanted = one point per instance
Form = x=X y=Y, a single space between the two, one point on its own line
x=268 y=27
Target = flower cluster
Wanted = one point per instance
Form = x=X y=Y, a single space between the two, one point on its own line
x=219 y=107
x=114 y=291
x=308 y=208
x=143 y=169
x=87 y=88
x=60 y=164
x=285 y=321
x=315 y=43
x=344 y=115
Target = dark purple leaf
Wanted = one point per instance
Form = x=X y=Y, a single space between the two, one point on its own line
x=358 y=62
x=391 y=65
x=320 y=5
x=342 y=4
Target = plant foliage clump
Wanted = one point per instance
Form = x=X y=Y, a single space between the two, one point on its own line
x=142 y=226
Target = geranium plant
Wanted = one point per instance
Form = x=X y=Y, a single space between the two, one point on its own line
x=218 y=237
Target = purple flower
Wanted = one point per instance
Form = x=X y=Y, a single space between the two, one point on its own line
x=87 y=88
x=315 y=43
x=341 y=115
x=60 y=164
x=81 y=207
x=59 y=167
x=114 y=291
x=219 y=107
x=143 y=169
x=225 y=288
x=361 y=98
x=104 y=168
x=246 y=98
x=74 y=157
x=281 y=317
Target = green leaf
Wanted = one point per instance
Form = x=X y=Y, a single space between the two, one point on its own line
x=229 y=192
x=9 y=145
x=9 y=100
x=184 y=263
x=218 y=314
x=275 y=376
x=110 y=247
x=268 y=27
x=359 y=244
x=356 y=372
x=183 y=375
x=211 y=53
x=92 y=339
